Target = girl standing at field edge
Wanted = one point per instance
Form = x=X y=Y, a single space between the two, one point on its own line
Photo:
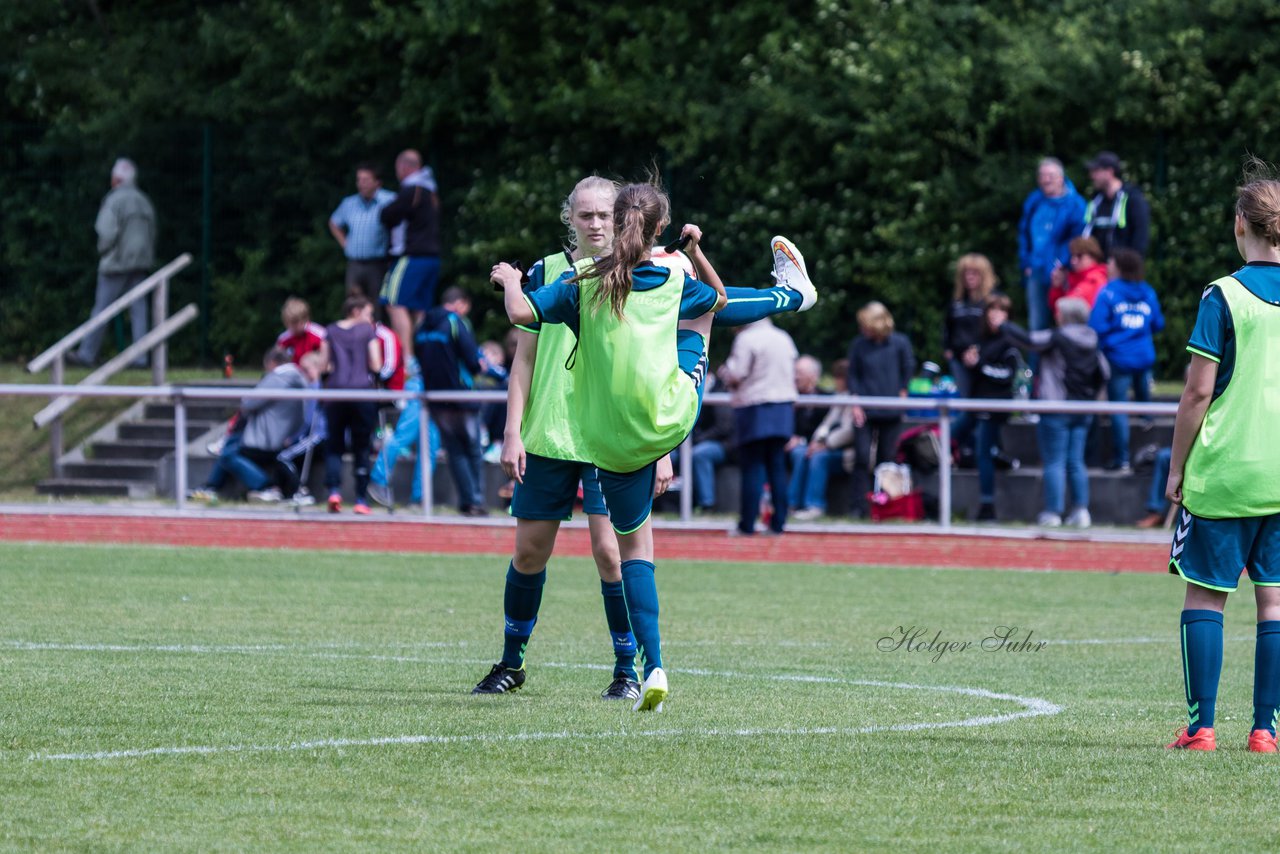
x=1222 y=471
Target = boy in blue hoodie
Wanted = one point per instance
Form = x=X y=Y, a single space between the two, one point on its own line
x=1126 y=316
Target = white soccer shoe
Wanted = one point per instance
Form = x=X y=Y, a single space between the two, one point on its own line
x=789 y=271
x=652 y=692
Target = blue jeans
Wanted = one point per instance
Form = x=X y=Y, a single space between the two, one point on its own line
x=110 y=287
x=1156 y=502
x=1118 y=390
x=707 y=457
x=763 y=460
x=233 y=462
x=405 y=439
x=1062 y=439
x=809 y=477
x=988 y=440
x=460 y=436
x=1038 y=316
x=983 y=429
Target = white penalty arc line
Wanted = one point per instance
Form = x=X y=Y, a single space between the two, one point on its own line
x=1031 y=707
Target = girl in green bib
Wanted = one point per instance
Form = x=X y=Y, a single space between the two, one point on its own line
x=1225 y=469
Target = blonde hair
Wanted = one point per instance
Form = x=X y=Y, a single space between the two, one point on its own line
x=640 y=212
x=981 y=263
x=587 y=184
x=1258 y=200
x=875 y=320
x=295 y=311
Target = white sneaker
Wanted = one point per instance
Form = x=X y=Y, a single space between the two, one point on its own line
x=789 y=271
x=652 y=692
x=1049 y=520
x=1079 y=518
x=202 y=494
x=303 y=497
x=270 y=495
x=806 y=514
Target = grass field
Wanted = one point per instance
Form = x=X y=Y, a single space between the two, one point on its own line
x=160 y=699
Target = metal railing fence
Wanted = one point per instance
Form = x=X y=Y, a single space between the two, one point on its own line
x=154 y=342
x=180 y=396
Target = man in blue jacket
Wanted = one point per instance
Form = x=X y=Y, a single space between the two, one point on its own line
x=1051 y=216
x=446 y=349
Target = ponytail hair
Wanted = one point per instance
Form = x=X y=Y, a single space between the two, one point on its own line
x=1258 y=200
x=640 y=212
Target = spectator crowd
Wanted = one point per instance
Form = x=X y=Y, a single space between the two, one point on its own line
x=1090 y=322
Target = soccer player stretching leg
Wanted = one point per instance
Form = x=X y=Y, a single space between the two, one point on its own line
x=635 y=396
x=543 y=449
x=1224 y=467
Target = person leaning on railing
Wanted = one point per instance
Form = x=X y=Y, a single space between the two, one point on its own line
x=1071 y=368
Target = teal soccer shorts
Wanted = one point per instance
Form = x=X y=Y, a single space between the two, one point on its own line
x=550 y=489
x=1212 y=552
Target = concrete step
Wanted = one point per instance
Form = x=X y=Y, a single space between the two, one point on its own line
x=83 y=486
x=113 y=469
x=160 y=430
x=204 y=411
x=132 y=449
x=1114 y=499
x=1018 y=438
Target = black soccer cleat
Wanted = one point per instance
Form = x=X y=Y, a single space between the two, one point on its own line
x=500 y=680
x=622 y=688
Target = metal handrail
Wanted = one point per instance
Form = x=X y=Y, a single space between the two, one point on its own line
x=181 y=395
x=134 y=350
x=73 y=338
x=157 y=285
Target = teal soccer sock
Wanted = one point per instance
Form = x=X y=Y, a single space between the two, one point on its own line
x=642 y=607
x=1201 y=665
x=624 y=642
x=747 y=305
x=520 y=605
x=1266 y=676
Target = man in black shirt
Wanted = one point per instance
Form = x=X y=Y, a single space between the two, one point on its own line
x=1118 y=216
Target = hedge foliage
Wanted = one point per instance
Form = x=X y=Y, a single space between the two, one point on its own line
x=886 y=138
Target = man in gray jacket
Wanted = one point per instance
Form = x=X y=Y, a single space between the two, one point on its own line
x=126 y=227
x=269 y=425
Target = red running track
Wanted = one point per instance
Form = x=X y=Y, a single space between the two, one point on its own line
x=859 y=549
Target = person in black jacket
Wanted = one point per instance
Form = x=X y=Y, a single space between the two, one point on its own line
x=414 y=219
x=993 y=363
x=1071 y=368
x=881 y=363
x=975 y=280
x=1118 y=217
x=450 y=358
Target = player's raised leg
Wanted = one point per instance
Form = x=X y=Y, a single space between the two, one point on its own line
x=794 y=291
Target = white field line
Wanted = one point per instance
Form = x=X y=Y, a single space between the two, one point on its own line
x=1031 y=707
